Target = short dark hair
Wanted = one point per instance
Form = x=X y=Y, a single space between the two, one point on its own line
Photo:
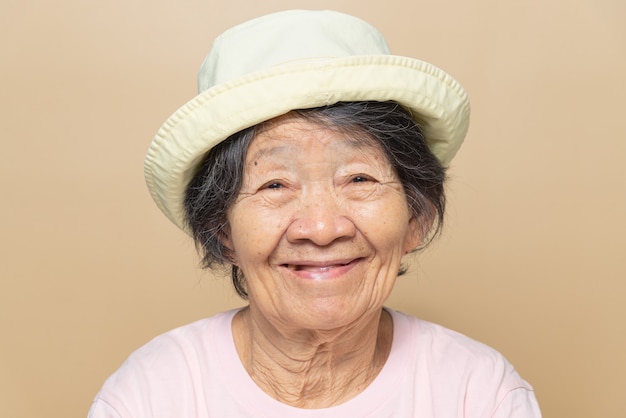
x=387 y=125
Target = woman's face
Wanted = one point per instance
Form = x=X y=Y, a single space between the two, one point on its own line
x=319 y=227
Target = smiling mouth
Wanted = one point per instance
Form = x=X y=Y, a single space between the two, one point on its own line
x=317 y=267
x=304 y=267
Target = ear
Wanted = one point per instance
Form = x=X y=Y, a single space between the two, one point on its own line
x=225 y=240
x=224 y=237
x=413 y=236
x=416 y=232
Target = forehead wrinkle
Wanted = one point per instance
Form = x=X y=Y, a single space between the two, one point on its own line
x=279 y=132
x=270 y=151
x=284 y=132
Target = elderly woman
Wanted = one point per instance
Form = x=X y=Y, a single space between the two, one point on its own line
x=311 y=162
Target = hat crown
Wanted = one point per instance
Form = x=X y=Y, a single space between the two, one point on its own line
x=284 y=37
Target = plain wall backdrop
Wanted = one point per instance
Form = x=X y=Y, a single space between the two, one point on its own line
x=531 y=261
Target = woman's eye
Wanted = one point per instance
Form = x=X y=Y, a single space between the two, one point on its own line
x=273 y=185
x=360 y=179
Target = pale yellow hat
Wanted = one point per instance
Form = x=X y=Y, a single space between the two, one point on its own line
x=295 y=60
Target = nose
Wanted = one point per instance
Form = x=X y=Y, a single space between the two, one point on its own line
x=320 y=219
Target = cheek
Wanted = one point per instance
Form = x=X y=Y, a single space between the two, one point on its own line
x=254 y=233
x=386 y=226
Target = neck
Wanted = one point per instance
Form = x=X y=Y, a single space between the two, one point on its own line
x=312 y=368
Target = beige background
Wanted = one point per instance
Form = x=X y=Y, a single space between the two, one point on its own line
x=533 y=255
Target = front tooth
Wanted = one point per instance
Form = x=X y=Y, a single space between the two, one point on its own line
x=318 y=268
x=300 y=267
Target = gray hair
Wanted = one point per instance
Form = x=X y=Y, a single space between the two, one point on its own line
x=386 y=125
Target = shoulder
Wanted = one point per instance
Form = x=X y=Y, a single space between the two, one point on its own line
x=170 y=369
x=186 y=341
x=447 y=348
x=456 y=366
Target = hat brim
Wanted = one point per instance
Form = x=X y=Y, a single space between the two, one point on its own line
x=436 y=100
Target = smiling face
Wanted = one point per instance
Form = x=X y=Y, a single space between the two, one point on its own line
x=319 y=227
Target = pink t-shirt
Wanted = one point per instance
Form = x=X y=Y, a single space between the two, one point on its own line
x=194 y=371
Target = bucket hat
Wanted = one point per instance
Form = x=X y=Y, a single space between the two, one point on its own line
x=290 y=60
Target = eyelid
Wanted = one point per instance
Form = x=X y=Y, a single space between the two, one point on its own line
x=273 y=184
x=361 y=178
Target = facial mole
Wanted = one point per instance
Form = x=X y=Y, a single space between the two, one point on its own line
x=256 y=163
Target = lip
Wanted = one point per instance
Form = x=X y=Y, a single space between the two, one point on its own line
x=320 y=270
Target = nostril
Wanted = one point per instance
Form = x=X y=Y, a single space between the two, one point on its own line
x=320 y=224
